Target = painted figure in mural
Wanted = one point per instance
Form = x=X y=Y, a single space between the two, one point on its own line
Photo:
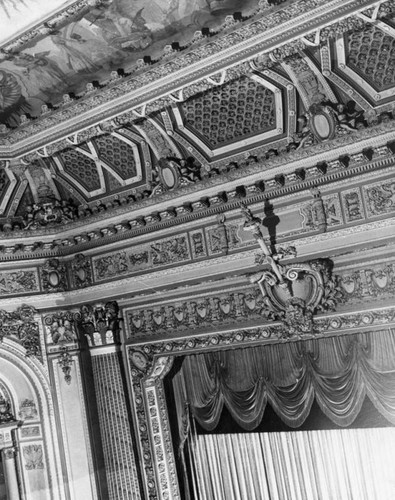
x=12 y=102
x=120 y=30
x=41 y=74
x=304 y=137
x=75 y=51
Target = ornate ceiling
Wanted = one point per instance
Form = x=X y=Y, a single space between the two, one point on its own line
x=203 y=92
x=86 y=40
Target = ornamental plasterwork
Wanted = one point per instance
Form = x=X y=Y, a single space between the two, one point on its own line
x=99 y=323
x=324 y=14
x=149 y=363
x=296 y=180
x=333 y=324
x=221 y=309
x=153 y=429
x=349 y=211
x=22 y=327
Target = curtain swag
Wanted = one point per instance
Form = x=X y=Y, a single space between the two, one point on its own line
x=338 y=372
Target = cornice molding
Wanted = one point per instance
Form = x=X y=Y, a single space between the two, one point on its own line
x=129 y=221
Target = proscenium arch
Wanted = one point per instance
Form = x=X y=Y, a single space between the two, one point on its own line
x=32 y=374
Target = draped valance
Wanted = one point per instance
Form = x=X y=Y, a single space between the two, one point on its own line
x=339 y=372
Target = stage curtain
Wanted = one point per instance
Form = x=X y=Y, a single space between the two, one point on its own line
x=337 y=371
x=344 y=464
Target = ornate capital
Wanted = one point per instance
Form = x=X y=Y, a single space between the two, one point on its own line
x=9 y=453
x=100 y=323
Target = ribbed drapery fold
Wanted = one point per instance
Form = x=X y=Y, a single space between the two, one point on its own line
x=338 y=372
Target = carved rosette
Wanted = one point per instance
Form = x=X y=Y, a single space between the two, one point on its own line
x=53 y=276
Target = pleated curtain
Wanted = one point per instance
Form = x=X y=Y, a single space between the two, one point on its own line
x=338 y=372
x=342 y=464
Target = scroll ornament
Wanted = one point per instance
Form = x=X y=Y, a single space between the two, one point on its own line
x=295 y=292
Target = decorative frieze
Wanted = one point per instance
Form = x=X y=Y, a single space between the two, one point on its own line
x=332 y=324
x=219 y=310
x=151 y=255
x=203 y=312
x=19 y=282
x=377 y=280
x=306 y=178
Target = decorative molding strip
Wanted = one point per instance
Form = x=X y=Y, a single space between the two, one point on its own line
x=245 y=305
x=330 y=324
x=153 y=428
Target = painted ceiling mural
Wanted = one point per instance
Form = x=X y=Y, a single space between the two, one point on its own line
x=111 y=36
x=18 y=15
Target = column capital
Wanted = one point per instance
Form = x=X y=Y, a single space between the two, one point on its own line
x=9 y=453
x=100 y=323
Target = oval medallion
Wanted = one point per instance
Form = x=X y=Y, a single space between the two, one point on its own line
x=54 y=278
